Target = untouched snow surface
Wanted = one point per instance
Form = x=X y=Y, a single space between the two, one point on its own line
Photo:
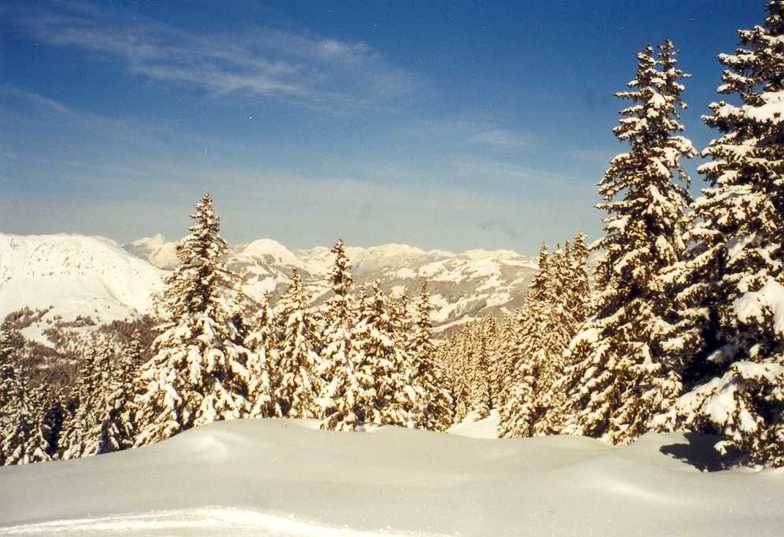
x=280 y=478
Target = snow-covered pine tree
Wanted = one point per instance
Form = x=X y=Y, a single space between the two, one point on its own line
x=115 y=428
x=24 y=436
x=8 y=387
x=483 y=337
x=507 y=358
x=338 y=408
x=82 y=421
x=296 y=391
x=400 y=317
x=389 y=392
x=619 y=377
x=436 y=411
x=262 y=360
x=731 y=337
x=199 y=373
x=522 y=406
x=461 y=358
x=570 y=303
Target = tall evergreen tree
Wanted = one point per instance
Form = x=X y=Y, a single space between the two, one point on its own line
x=619 y=375
x=114 y=423
x=481 y=340
x=199 y=373
x=24 y=438
x=547 y=325
x=388 y=393
x=262 y=360
x=83 y=420
x=297 y=389
x=400 y=317
x=730 y=336
x=436 y=413
x=341 y=385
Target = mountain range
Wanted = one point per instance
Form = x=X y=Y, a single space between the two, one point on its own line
x=86 y=276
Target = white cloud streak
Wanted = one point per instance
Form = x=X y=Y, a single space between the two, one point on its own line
x=260 y=62
x=501 y=138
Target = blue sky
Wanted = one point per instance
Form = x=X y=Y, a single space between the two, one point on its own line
x=440 y=124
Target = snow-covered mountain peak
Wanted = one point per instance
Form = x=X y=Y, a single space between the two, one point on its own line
x=156 y=250
x=93 y=276
x=75 y=275
x=271 y=249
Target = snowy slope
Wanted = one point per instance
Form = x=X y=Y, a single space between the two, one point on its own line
x=276 y=477
x=76 y=275
x=463 y=285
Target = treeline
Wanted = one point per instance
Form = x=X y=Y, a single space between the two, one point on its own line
x=364 y=358
x=685 y=327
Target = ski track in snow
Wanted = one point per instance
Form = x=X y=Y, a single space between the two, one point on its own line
x=195 y=522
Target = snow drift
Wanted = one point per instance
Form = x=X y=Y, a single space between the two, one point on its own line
x=280 y=477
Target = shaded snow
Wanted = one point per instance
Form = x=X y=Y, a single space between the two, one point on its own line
x=278 y=477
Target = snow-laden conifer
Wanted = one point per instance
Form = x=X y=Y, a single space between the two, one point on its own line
x=730 y=336
x=341 y=385
x=389 y=392
x=81 y=426
x=297 y=381
x=436 y=407
x=199 y=373
x=619 y=373
x=114 y=425
x=262 y=358
x=23 y=439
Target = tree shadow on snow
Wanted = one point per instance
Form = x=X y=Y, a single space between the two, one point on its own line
x=698 y=451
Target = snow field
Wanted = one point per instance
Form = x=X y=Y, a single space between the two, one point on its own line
x=259 y=477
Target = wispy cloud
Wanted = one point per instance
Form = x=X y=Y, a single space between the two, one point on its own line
x=33 y=98
x=257 y=62
x=501 y=138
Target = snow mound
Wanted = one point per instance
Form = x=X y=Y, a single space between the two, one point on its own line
x=484 y=428
x=280 y=478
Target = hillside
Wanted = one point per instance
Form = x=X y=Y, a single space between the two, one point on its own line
x=279 y=478
x=74 y=275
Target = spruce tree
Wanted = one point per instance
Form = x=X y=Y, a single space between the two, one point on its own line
x=523 y=407
x=619 y=376
x=482 y=336
x=115 y=427
x=436 y=411
x=338 y=402
x=24 y=436
x=199 y=373
x=296 y=391
x=82 y=421
x=729 y=337
x=400 y=317
x=388 y=391
x=262 y=360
